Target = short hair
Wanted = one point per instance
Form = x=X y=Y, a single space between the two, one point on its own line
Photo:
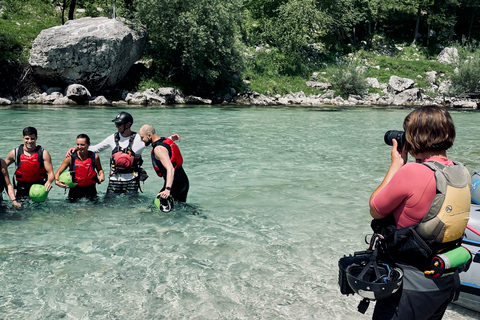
x=30 y=131
x=84 y=136
x=147 y=128
x=429 y=128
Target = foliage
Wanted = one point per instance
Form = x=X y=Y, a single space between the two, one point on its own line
x=348 y=78
x=194 y=42
x=466 y=79
x=281 y=85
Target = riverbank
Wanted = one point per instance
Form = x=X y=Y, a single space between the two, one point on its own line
x=392 y=96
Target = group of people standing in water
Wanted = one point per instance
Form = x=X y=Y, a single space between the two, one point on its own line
x=33 y=164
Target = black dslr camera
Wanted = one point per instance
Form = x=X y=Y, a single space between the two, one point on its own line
x=397 y=135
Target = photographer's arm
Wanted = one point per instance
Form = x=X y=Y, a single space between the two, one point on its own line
x=398 y=160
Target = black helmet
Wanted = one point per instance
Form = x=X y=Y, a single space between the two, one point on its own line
x=166 y=205
x=123 y=118
x=374 y=281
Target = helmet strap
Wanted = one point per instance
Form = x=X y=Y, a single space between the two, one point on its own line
x=363 y=305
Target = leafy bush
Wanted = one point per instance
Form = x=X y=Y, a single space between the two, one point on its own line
x=467 y=79
x=348 y=79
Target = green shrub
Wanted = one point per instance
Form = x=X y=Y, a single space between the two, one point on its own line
x=348 y=79
x=467 y=78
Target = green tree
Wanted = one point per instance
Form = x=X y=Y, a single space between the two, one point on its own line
x=194 y=42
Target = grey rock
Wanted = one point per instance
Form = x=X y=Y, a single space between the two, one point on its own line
x=319 y=85
x=431 y=77
x=372 y=82
x=4 y=101
x=197 y=100
x=99 y=101
x=448 y=55
x=77 y=93
x=95 y=52
x=397 y=84
x=408 y=96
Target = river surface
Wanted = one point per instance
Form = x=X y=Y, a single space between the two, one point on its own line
x=277 y=196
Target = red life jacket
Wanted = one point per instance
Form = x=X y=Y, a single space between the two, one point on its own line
x=173 y=151
x=30 y=168
x=84 y=170
x=127 y=160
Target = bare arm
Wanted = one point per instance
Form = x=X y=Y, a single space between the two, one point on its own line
x=98 y=166
x=10 y=190
x=65 y=164
x=47 y=162
x=398 y=160
x=10 y=157
x=161 y=153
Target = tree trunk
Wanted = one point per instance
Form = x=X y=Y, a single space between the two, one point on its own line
x=71 y=11
x=63 y=11
x=417 y=26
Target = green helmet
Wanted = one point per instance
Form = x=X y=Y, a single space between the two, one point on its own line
x=38 y=193
x=66 y=177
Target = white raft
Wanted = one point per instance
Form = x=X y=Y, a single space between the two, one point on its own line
x=470 y=280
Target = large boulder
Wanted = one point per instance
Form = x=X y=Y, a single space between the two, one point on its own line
x=448 y=56
x=397 y=84
x=94 y=52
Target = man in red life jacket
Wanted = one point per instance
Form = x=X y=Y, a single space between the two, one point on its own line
x=33 y=164
x=167 y=162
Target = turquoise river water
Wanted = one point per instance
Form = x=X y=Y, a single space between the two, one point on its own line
x=277 y=196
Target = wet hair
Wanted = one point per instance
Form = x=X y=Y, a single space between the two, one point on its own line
x=429 y=128
x=30 y=131
x=84 y=136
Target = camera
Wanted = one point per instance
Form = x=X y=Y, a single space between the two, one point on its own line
x=397 y=135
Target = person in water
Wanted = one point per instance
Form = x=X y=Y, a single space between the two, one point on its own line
x=33 y=164
x=407 y=195
x=87 y=171
x=126 y=157
x=167 y=162
x=6 y=185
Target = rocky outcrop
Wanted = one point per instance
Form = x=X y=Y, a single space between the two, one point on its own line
x=94 y=52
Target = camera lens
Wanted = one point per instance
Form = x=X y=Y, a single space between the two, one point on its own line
x=397 y=135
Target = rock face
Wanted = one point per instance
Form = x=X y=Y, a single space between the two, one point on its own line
x=94 y=52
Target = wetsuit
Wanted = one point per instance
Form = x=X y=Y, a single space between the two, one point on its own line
x=85 y=176
x=180 y=186
x=30 y=170
x=2 y=187
x=409 y=197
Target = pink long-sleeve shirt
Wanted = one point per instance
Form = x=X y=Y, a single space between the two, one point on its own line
x=409 y=194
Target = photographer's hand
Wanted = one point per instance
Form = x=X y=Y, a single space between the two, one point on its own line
x=399 y=157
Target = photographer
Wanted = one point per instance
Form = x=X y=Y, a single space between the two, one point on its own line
x=408 y=194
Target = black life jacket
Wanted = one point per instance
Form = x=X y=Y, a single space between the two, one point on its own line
x=3 y=185
x=173 y=153
x=137 y=160
x=442 y=227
